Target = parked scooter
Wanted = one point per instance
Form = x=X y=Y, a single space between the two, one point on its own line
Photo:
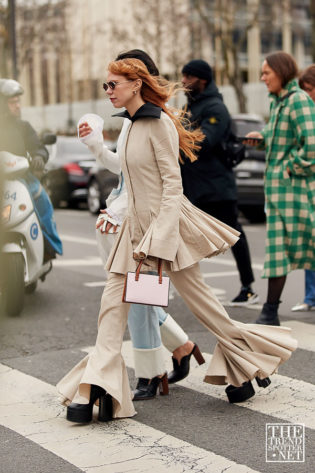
x=23 y=248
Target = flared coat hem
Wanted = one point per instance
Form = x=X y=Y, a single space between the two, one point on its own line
x=75 y=387
x=199 y=236
x=255 y=351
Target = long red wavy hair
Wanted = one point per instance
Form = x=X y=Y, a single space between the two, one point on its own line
x=158 y=91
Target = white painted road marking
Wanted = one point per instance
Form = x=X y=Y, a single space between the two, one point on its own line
x=229 y=262
x=81 y=240
x=286 y=398
x=29 y=406
x=205 y=275
x=217 y=260
x=304 y=333
x=91 y=261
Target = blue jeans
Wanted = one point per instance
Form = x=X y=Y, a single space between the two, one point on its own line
x=144 y=325
x=309 y=287
x=44 y=211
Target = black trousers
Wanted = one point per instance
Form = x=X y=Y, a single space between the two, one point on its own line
x=227 y=212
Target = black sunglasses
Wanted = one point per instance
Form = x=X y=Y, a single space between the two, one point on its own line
x=112 y=84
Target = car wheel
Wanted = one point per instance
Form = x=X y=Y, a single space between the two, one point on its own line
x=94 y=197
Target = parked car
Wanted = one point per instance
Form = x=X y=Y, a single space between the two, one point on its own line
x=101 y=182
x=250 y=172
x=67 y=171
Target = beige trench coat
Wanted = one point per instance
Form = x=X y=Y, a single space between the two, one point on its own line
x=161 y=222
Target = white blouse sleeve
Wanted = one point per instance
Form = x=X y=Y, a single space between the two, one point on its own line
x=104 y=156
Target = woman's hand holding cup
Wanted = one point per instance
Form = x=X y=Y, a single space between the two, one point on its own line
x=84 y=129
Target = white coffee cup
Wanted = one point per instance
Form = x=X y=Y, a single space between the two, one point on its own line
x=94 y=121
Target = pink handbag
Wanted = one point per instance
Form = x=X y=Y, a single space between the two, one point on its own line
x=148 y=289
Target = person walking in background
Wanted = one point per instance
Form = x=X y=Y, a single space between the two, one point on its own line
x=307 y=83
x=161 y=224
x=150 y=327
x=208 y=183
x=289 y=140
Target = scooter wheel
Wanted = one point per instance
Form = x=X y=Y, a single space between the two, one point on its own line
x=14 y=283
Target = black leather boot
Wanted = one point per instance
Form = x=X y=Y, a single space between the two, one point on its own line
x=269 y=314
x=181 y=370
x=82 y=413
x=146 y=388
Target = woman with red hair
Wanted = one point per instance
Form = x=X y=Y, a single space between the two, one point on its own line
x=162 y=224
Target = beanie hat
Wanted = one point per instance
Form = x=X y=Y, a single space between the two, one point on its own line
x=198 y=68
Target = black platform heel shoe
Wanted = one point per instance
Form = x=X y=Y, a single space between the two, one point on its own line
x=146 y=388
x=240 y=393
x=263 y=383
x=246 y=391
x=181 y=370
x=82 y=413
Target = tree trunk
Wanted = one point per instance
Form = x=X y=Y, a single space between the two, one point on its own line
x=313 y=28
x=238 y=84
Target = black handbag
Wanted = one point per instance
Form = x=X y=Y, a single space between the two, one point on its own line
x=232 y=150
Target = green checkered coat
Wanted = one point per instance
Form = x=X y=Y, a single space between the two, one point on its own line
x=289 y=139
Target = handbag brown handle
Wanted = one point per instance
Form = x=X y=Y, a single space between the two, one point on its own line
x=159 y=270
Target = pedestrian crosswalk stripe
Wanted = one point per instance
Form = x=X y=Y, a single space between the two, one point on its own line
x=29 y=407
x=303 y=332
x=76 y=239
x=286 y=398
x=92 y=261
x=92 y=242
x=215 y=290
x=216 y=274
x=229 y=262
x=283 y=392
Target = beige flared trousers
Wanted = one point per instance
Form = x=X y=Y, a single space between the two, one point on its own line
x=243 y=351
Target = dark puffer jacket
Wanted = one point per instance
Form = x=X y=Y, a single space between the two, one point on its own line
x=18 y=136
x=208 y=179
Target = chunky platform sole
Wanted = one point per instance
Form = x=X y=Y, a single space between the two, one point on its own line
x=83 y=413
x=82 y=417
x=246 y=391
x=240 y=393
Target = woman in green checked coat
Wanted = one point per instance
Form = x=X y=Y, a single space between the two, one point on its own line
x=289 y=140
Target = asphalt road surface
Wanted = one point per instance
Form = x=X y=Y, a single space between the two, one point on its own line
x=193 y=429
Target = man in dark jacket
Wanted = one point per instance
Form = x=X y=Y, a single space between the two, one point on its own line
x=18 y=137
x=208 y=183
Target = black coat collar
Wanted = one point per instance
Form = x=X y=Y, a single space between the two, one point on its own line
x=148 y=110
